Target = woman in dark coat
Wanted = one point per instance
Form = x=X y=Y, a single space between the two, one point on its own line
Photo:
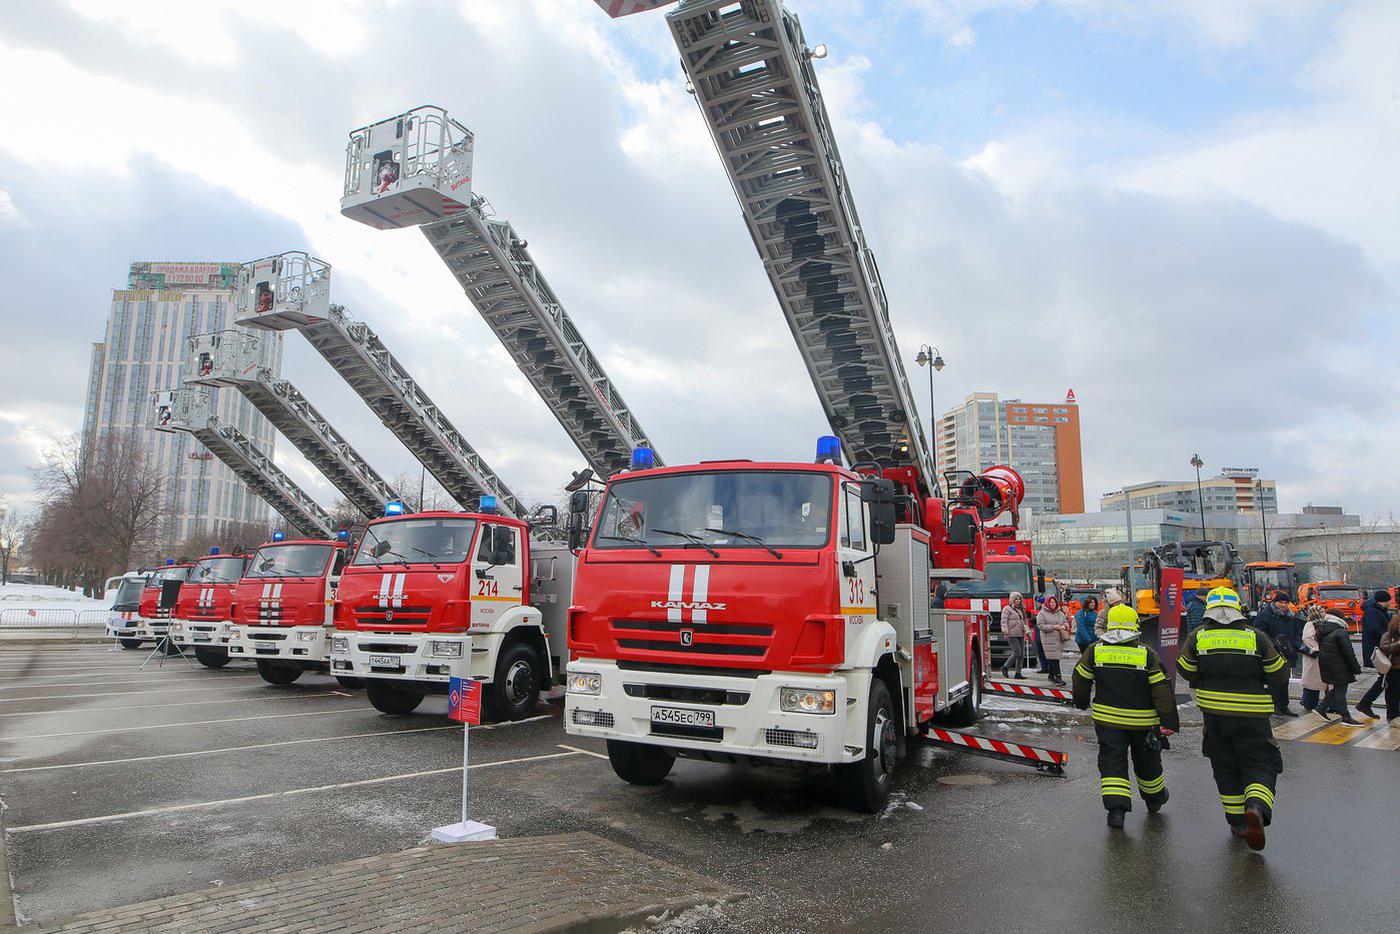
x=1338 y=665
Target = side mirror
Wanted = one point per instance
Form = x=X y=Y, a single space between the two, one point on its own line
x=962 y=529
x=577 y=533
x=1040 y=580
x=578 y=503
x=879 y=495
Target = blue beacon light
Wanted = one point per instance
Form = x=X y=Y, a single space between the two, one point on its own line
x=643 y=459
x=394 y=508
x=488 y=505
x=828 y=449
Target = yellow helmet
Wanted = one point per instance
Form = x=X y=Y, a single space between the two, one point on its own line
x=1223 y=605
x=1122 y=616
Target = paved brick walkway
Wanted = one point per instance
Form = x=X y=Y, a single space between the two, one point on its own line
x=570 y=882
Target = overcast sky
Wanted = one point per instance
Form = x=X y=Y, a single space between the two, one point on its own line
x=1186 y=211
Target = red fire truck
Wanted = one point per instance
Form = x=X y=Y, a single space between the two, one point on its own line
x=434 y=595
x=202 y=616
x=740 y=611
x=159 y=598
x=283 y=607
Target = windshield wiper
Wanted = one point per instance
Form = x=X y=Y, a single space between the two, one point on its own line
x=747 y=537
x=690 y=537
x=429 y=555
x=635 y=540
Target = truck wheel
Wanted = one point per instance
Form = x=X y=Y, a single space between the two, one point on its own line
x=386 y=698
x=353 y=684
x=515 y=691
x=211 y=658
x=640 y=763
x=865 y=785
x=130 y=644
x=966 y=711
x=278 y=672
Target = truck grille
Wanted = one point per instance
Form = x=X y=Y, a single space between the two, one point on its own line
x=792 y=739
x=402 y=615
x=260 y=634
x=598 y=718
x=707 y=696
x=270 y=616
x=741 y=640
x=388 y=648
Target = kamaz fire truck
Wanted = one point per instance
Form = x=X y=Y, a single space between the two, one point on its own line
x=284 y=607
x=202 y=616
x=159 y=599
x=124 y=615
x=434 y=595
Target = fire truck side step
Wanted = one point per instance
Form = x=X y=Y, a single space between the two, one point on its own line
x=1029 y=692
x=1042 y=760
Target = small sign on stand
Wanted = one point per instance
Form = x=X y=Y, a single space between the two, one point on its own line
x=464 y=706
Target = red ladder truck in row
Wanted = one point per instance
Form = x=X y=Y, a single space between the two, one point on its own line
x=202 y=617
x=430 y=596
x=781 y=611
x=284 y=606
x=159 y=599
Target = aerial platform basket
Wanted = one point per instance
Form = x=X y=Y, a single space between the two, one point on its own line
x=180 y=409
x=222 y=358
x=408 y=170
x=277 y=293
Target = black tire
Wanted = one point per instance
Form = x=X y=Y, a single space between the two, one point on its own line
x=385 y=697
x=640 y=763
x=130 y=644
x=966 y=711
x=278 y=672
x=515 y=691
x=169 y=649
x=352 y=684
x=211 y=658
x=865 y=785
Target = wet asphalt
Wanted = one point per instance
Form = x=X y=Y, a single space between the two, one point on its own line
x=119 y=786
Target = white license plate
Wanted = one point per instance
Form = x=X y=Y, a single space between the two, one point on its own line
x=385 y=661
x=681 y=716
x=265 y=643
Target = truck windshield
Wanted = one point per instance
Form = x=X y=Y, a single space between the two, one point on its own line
x=1003 y=577
x=168 y=574
x=1338 y=593
x=416 y=541
x=782 y=508
x=219 y=570
x=128 y=593
x=290 y=561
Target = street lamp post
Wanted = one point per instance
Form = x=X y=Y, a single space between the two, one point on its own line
x=1200 y=496
x=932 y=358
x=1263 y=516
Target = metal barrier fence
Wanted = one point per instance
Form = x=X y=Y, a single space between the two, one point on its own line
x=61 y=621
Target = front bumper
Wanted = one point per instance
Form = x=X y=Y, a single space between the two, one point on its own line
x=748 y=720
x=367 y=655
x=283 y=643
x=199 y=633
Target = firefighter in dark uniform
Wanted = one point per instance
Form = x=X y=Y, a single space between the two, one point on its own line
x=1132 y=707
x=1235 y=670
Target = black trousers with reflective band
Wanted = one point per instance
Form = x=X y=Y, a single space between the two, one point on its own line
x=1246 y=761
x=1115 y=745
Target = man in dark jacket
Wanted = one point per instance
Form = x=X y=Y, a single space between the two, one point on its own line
x=1375 y=619
x=1274 y=621
x=1195 y=609
x=1336 y=661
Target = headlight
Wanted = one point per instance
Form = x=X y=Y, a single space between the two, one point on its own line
x=308 y=636
x=445 y=649
x=585 y=682
x=806 y=700
x=340 y=643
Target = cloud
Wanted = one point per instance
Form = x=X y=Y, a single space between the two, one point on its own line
x=1209 y=292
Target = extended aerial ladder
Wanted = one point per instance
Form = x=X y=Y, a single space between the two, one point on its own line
x=292 y=290
x=230 y=358
x=750 y=71
x=414 y=169
x=189 y=410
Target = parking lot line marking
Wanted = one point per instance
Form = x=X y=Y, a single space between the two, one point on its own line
x=169 y=726
x=205 y=703
x=89 y=683
x=19 y=700
x=585 y=752
x=175 y=808
x=210 y=752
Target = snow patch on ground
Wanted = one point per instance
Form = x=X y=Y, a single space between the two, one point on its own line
x=45 y=597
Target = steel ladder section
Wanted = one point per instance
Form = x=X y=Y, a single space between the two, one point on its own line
x=753 y=80
x=361 y=359
x=495 y=269
x=264 y=478
x=299 y=421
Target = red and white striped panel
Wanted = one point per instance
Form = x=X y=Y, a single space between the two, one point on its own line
x=1028 y=690
x=616 y=8
x=450 y=207
x=983 y=743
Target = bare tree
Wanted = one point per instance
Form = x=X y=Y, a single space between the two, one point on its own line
x=421 y=492
x=12 y=529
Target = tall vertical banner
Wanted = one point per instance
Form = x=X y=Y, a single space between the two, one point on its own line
x=1169 y=621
